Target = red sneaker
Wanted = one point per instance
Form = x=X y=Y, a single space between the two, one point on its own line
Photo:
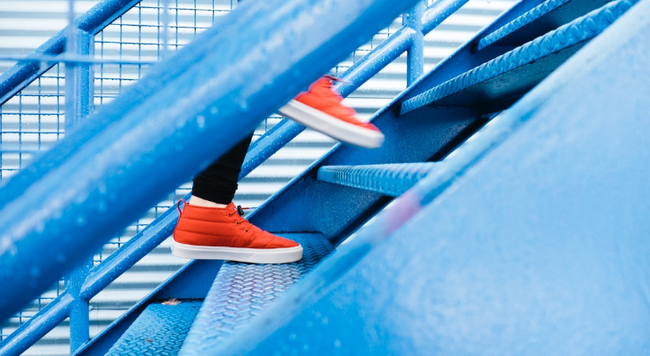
x=222 y=234
x=320 y=108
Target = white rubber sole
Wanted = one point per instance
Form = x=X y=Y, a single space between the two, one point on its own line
x=238 y=254
x=331 y=126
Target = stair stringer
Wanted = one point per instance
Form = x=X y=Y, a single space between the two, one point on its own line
x=537 y=247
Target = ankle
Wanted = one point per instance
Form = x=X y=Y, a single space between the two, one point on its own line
x=196 y=201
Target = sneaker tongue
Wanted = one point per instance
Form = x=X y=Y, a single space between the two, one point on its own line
x=325 y=92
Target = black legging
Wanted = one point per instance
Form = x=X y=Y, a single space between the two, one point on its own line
x=218 y=182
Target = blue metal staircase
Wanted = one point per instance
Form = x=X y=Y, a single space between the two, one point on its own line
x=507 y=209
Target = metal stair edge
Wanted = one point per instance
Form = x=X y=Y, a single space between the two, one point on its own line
x=388 y=179
x=529 y=18
x=569 y=35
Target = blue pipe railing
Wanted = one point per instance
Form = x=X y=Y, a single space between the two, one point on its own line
x=143 y=118
x=418 y=23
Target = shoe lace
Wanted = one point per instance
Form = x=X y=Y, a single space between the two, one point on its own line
x=336 y=79
x=242 y=220
x=178 y=206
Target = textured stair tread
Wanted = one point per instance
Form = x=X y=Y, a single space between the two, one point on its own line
x=390 y=179
x=243 y=290
x=519 y=70
x=159 y=330
x=544 y=18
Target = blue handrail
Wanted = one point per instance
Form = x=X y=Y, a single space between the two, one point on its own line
x=261 y=149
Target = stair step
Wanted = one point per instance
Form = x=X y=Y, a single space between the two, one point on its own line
x=542 y=19
x=159 y=330
x=241 y=291
x=390 y=179
x=517 y=71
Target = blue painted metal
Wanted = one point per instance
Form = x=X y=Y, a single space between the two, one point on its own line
x=388 y=179
x=131 y=252
x=299 y=203
x=356 y=75
x=146 y=116
x=191 y=282
x=78 y=78
x=438 y=11
x=415 y=54
x=160 y=329
x=241 y=291
x=67 y=58
x=79 y=309
x=37 y=326
x=309 y=205
x=539 y=249
x=543 y=18
x=93 y=21
x=96 y=279
x=142 y=243
x=466 y=57
x=260 y=150
x=508 y=75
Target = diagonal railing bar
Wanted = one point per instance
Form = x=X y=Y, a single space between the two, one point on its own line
x=37 y=326
x=22 y=74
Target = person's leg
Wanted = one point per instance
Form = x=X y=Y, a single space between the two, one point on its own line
x=217 y=184
x=211 y=228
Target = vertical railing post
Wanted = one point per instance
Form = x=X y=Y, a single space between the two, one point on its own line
x=79 y=311
x=415 y=54
x=78 y=78
x=78 y=105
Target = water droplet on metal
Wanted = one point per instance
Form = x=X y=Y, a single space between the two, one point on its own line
x=200 y=122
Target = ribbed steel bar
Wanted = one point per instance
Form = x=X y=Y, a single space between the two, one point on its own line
x=390 y=179
x=572 y=34
x=547 y=16
x=165 y=128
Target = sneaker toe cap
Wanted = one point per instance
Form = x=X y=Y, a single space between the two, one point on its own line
x=281 y=242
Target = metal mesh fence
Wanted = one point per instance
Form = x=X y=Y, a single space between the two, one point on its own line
x=32 y=121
